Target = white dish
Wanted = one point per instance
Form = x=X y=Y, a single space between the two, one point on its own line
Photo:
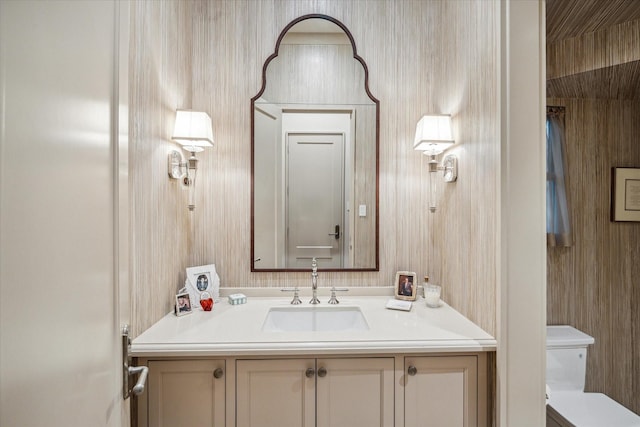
x=395 y=304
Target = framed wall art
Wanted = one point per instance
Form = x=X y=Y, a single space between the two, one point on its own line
x=625 y=194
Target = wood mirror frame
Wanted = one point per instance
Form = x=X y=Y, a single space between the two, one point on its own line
x=253 y=260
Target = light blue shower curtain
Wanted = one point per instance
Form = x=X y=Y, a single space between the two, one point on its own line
x=558 y=223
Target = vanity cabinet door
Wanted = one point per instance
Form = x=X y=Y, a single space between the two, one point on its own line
x=284 y=392
x=275 y=393
x=186 y=393
x=355 y=392
x=441 y=391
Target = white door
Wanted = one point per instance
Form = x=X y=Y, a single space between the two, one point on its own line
x=275 y=393
x=355 y=392
x=60 y=361
x=315 y=199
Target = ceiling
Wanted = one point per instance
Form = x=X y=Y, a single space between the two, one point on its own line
x=572 y=18
x=566 y=19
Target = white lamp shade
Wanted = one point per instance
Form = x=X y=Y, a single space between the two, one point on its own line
x=433 y=134
x=193 y=129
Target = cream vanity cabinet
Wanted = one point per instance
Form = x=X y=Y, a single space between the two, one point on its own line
x=425 y=367
x=324 y=392
x=332 y=391
x=184 y=393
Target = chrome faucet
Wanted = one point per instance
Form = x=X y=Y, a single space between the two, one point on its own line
x=314 y=282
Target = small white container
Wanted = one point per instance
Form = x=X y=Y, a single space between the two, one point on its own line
x=236 y=299
x=432 y=295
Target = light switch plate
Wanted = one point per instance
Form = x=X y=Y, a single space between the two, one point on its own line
x=362 y=210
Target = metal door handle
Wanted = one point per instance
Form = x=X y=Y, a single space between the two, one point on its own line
x=322 y=372
x=128 y=371
x=218 y=373
x=412 y=370
x=337 y=232
x=310 y=372
x=142 y=379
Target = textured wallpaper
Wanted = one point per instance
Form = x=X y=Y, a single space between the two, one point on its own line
x=423 y=57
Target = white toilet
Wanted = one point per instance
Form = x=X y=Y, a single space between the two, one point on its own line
x=568 y=405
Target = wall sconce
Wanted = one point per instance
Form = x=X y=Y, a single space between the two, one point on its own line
x=193 y=131
x=434 y=135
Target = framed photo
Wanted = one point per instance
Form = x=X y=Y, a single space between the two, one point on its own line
x=203 y=279
x=625 y=197
x=183 y=304
x=406 y=285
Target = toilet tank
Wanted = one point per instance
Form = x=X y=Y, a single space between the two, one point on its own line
x=566 y=358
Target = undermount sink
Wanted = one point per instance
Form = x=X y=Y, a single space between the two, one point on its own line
x=307 y=319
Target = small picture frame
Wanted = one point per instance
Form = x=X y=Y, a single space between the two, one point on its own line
x=625 y=197
x=406 y=286
x=202 y=279
x=183 y=304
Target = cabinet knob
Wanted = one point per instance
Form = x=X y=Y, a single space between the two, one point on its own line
x=310 y=372
x=218 y=373
x=412 y=370
x=322 y=372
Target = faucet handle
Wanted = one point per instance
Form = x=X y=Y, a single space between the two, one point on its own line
x=333 y=299
x=296 y=295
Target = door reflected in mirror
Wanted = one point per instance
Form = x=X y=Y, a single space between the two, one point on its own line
x=314 y=154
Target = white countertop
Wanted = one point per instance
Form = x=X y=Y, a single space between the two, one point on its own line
x=232 y=330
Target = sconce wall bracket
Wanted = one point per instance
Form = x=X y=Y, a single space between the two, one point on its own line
x=450 y=168
x=176 y=165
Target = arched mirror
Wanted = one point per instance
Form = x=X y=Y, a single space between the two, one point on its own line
x=314 y=157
